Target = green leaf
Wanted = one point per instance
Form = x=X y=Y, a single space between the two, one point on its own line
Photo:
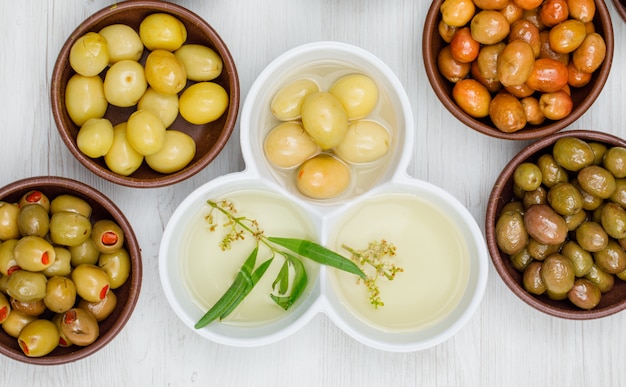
x=319 y=254
x=232 y=295
x=300 y=281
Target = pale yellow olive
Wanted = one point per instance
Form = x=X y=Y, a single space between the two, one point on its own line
x=5 y=308
x=358 y=94
x=60 y=294
x=100 y=310
x=124 y=83
x=92 y=283
x=117 y=266
x=164 y=72
x=177 y=152
x=89 y=54
x=287 y=102
x=33 y=253
x=288 y=145
x=203 y=102
x=69 y=228
x=201 y=63
x=145 y=132
x=86 y=252
x=62 y=265
x=325 y=119
x=7 y=259
x=107 y=236
x=365 y=141
x=124 y=42
x=162 y=31
x=95 y=137
x=323 y=177
x=165 y=106
x=84 y=98
x=9 y=212
x=15 y=322
x=26 y=286
x=38 y=338
x=122 y=158
x=71 y=203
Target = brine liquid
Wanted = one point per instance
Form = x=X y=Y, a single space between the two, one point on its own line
x=208 y=271
x=430 y=249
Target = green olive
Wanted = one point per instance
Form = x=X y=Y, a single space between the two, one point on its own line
x=70 y=203
x=591 y=236
x=511 y=235
x=35 y=197
x=611 y=259
x=557 y=273
x=80 y=326
x=565 y=199
x=9 y=212
x=107 y=236
x=528 y=176
x=7 y=260
x=5 y=308
x=69 y=228
x=62 y=263
x=613 y=220
x=38 y=338
x=532 y=281
x=64 y=341
x=584 y=294
x=537 y=196
x=515 y=205
x=521 y=260
x=117 y=266
x=615 y=161
x=86 y=252
x=581 y=259
x=599 y=151
x=26 y=286
x=590 y=202
x=573 y=221
x=551 y=171
x=102 y=309
x=619 y=195
x=573 y=153
x=541 y=251
x=60 y=294
x=602 y=279
x=33 y=253
x=31 y=308
x=15 y=322
x=92 y=283
x=33 y=220
x=597 y=181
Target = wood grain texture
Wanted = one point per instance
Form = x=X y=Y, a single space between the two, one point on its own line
x=505 y=343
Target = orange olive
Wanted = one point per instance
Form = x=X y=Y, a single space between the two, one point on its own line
x=472 y=97
x=548 y=75
x=553 y=12
x=528 y=4
x=512 y=12
x=583 y=10
x=487 y=61
x=520 y=91
x=491 y=4
x=491 y=84
x=445 y=31
x=463 y=47
x=449 y=67
x=457 y=13
x=575 y=77
x=515 y=63
x=507 y=113
x=546 y=50
x=590 y=54
x=556 y=105
x=489 y=27
x=532 y=15
x=528 y=32
x=534 y=115
x=565 y=37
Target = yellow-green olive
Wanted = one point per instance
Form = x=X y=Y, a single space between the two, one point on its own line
x=69 y=228
x=70 y=203
x=611 y=259
x=84 y=98
x=33 y=220
x=5 y=308
x=26 y=286
x=201 y=63
x=615 y=161
x=597 y=180
x=9 y=212
x=521 y=260
x=7 y=259
x=124 y=83
x=176 y=153
x=92 y=283
x=573 y=153
x=15 y=322
x=323 y=177
x=117 y=266
x=162 y=31
x=287 y=102
x=203 y=102
x=565 y=199
x=584 y=294
x=35 y=197
x=89 y=54
x=80 y=326
x=86 y=252
x=365 y=141
x=511 y=235
x=123 y=42
x=38 y=338
x=602 y=279
x=591 y=236
x=613 y=220
x=551 y=171
x=122 y=158
x=107 y=236
x=33 y=253
x=60 y=294
x=62 y=265
x=95 y=137
x=358 y=93
x=324 y=119
x=100 y=310
x=165 y=106
x=531 y=278
x=64 y=341
x=557 y=274
x=528 y=176
x=288 y=145
x=540 y=251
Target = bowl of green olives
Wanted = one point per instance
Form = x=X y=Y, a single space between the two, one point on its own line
x=556 y=225
x=71 y=270
x=145 y=93
x=517 y=70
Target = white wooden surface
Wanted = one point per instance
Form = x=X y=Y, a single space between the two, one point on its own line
x=505 y=344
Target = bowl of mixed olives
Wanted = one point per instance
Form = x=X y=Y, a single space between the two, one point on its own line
x=519 y=69
x=70 y=271
x=556 y=224
x=145 y=93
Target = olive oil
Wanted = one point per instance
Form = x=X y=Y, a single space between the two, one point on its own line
x=208 y=271
x=430 y=249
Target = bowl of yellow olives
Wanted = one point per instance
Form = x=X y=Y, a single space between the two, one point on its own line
x=327 y=121
x=556 y=224
x=145 y=93
x=517 y=70
x=71 y=270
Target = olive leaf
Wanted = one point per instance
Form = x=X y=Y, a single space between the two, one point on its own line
x=300 y=281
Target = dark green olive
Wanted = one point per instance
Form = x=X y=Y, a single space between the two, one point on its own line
x=573 y=153
x=521 y=260
x=511 y=235
x=518 y=192
x=35 y=197
x=599 y=150
x=541 y=251
x=515 y=205
x=60 y=294
x=107 y=236
x=591 y=236
x=581 y=259
x=527 y=176
x=100 y=310
x=85 y=252
x=38 y=338
x=611 y=259
x=557 y=274
x=33 y=220
x=34 y=253
x=613 y=219
x=584 y=294
x=69 y=228
x=615 y=161
x=619 y=195
x=597 y=181
x=92 y=283
x=70 y=203
x=538 y=196
x=590 y=202
x=26 y=285
x=31 y=308
x=7 y=260
x=117 y=266
x=573 y=221
x=565 y=199
x=15 y=322
x=531 y=279
x=601 y=278
x=62 y=263
x=551 y=171
x=9 y=212
x=80 y=326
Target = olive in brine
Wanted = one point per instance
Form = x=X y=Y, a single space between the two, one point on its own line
x=33 y=220
x=117 y=266
x=38 y=338
x=80 y=326
x=565 y=199
x=102 y=309
x=70 y=203
x=92 y=283
x=35 y=197
x=60 y=294
x=573 y=153
x=591 y=236
x=597 y=180
x=33 y=253
x=107 y=236
x=584 y=294
x=69 y=228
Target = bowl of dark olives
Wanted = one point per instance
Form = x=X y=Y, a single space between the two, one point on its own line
x=556 y=224
x=70 y=270
x=145 y=93
x=517 y=70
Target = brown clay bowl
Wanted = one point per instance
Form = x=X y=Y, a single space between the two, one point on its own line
x=210 y=138
x=127 y=294
x=583 y=98
x=620 y=7
x=502 y=193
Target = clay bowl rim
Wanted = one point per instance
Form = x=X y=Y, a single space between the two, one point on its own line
x=620 y=8
x=132 y=286
x=583 y=97
x=509 y=275
x=229 y=73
